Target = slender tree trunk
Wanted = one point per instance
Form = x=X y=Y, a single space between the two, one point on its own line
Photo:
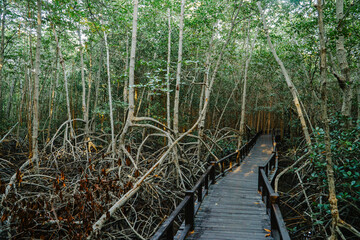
x=97 y=84
x=201 y=126
x=168 y=103
x=83 y=99
x=8 y=107
x=336 y=220
x=52 y=96
x=131 y=110
x=178 y=72
x=2 y=50
x=342 y=59
x=89 y=91
x=23 y=89
x=243 y=102
x=35 y=134
x=113 y=144
x=329 y=165
x=290 y=84
x=62 y=62
x=125 y=92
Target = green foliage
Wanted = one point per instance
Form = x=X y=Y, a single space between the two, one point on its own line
x=345 y=148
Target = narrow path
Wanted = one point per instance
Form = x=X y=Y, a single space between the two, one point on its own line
x=233 y=208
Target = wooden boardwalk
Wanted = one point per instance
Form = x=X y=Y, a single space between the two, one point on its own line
x=233 y=208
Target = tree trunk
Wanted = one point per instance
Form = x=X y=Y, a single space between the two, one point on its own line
x=201 y=126
x=113 y=144
x=2 y=50
x=97 y=85
x=178 y=72
x=342 y=59
x=125 y=92
x=89 y=92
x=35 y=134
x=336 y=220
x=290 y=84
x=8 y=107
x=83 y=99
x=52 y=96
x=329 y=165
x=62 y=62
x=243 y=102
x=168 y=103
x=131 y=110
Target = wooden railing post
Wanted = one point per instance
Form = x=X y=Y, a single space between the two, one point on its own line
x=170 y=232
x=260 y=180
x=274 y=199
x=206 y=182
x=199 y=193
x=266 y=170
x=223 y=168
x=189 y=210
x=212 y=173
x=238 y=156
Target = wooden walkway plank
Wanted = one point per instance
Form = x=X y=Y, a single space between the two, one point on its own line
x=233 y=208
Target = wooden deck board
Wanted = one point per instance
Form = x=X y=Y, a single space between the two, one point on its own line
x=233 y=208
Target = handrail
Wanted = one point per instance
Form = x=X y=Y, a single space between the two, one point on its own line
x=190 y=204
x=271 y=198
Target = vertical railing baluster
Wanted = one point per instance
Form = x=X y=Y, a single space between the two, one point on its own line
x=200 y=193
x=170 y=232
x=207 y=182
x=189 y=210
x=260 y=182
x=212 y=173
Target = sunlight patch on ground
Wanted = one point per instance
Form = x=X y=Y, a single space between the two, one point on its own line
x=247 y=174
x=237 y=170
x=268 y=151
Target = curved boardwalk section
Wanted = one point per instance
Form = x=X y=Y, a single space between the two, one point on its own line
x=233 y=208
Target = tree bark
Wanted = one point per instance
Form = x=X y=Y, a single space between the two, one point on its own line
x=2 y=50
x=97 y=85
x=168 y=103
x=113 y=144
x=178 y=72
x=62 y=62
x=83 y=99
x=329 y=164
x=35 y=141
x=125 y=92
x=52 y=96
x=8 y=107
x=336 y=221
x=131 y=109
x=342 y=59
x=289 y=83
x=89 y=91
x=243 y=102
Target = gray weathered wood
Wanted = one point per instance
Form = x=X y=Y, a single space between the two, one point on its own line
x=233 y=208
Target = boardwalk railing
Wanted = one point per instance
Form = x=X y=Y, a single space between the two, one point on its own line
x=271 y=198
x=194 y=197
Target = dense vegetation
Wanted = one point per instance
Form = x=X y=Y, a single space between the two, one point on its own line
x=110 y=109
